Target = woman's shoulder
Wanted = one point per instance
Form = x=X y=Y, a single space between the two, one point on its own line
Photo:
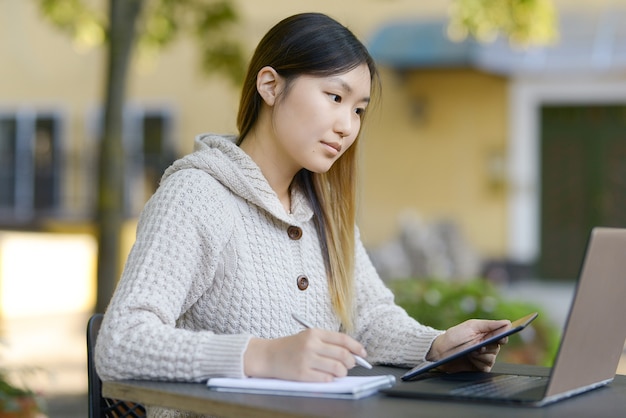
x=190 y=203
x=195 y=189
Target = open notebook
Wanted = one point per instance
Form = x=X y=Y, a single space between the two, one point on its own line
x=349 y=387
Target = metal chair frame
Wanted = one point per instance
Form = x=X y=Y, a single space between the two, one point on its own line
x=100 y=407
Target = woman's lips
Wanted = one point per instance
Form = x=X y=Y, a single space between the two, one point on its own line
x=334 y=147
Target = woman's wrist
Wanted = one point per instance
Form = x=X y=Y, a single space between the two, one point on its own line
x=434 y=353
x=254 y=358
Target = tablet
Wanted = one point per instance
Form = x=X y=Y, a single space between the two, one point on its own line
x=471 y=345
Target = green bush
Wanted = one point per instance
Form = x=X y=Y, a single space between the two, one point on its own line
x=18 y=402
x=442 y=304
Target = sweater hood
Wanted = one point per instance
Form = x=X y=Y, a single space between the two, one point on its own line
x=221 y=157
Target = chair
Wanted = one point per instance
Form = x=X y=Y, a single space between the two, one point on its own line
x=100 y=407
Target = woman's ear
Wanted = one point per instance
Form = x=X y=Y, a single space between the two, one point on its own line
x=269 y=84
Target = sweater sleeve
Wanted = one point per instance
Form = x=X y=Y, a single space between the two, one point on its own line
x=388 y=333
x=173 y=261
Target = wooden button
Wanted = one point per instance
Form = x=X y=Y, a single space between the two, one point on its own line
x=303 y=282
x=294 y=232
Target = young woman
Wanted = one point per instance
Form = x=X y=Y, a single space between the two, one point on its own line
x=252 y=228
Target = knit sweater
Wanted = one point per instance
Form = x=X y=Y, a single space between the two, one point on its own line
x=216 y=263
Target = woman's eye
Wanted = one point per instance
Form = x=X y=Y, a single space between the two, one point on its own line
x=335 y=97
x=359 y=111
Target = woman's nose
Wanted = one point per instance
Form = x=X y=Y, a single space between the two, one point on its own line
x=344 y=123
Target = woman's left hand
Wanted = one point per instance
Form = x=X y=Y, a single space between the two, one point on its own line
x=482 y=359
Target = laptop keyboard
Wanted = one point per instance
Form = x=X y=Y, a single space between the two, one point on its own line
x=498 y=386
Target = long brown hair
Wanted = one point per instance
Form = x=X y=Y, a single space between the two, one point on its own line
x=315 y=44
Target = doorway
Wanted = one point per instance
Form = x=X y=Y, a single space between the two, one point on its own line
x=583 y=181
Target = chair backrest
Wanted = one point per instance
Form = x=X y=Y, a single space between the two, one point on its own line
x=100 y=407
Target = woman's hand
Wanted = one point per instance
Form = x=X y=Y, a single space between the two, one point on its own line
x=482 y=359
x=313 y=355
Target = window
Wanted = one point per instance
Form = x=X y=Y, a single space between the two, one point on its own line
x=29 y=165
x=8 y=156
x=45 y=175
x=149 y=150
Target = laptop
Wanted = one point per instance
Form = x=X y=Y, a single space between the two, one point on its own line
x=590 y=348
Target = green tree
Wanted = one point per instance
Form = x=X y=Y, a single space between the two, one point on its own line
x=144 y=26
x=523 y=22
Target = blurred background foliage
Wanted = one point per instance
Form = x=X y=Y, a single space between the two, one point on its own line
x=17 y=400
x=523 y=22
x=161 y=22
x=444 y=303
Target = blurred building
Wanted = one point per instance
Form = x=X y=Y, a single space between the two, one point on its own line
x=524 y=150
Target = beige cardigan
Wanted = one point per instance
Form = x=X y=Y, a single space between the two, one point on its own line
x=218 y=260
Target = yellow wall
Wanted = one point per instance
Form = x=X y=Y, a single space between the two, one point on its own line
x=430 y=150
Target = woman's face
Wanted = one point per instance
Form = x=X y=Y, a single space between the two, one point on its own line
x=318 y=118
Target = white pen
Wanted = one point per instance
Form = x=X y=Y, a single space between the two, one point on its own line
x=359 y=360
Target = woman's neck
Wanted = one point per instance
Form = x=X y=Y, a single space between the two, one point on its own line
x=264 y=154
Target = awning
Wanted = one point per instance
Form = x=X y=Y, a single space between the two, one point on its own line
x=588 y=44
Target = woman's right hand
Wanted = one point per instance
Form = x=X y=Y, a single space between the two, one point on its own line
x=313 y=355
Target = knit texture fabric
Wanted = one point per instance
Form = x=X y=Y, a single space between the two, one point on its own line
x=213 y=265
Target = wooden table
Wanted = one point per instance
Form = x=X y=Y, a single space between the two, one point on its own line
x=609 y=401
